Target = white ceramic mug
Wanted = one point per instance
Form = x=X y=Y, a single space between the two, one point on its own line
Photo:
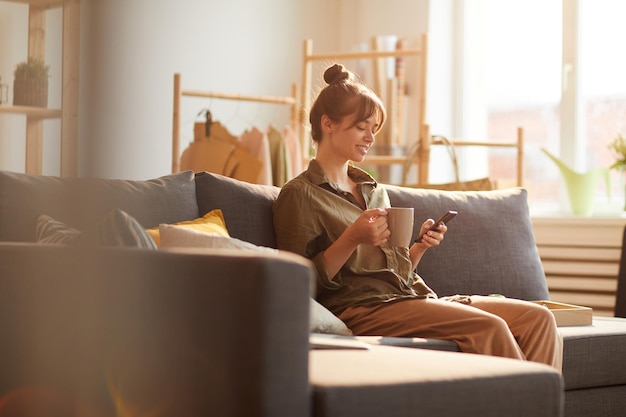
x=400 y=223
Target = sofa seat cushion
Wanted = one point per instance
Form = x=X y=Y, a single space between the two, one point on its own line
x=80 y=202
x=489 y=247
x=594 y=356
x=394 y=382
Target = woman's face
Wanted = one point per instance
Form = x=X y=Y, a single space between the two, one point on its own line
x=352 y=141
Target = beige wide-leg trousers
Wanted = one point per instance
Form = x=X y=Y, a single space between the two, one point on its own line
x=487 y=325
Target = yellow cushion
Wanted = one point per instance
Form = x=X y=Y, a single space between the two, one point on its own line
x=212 y=222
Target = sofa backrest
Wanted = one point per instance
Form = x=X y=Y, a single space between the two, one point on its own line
x=80 y=202
x=489 y=247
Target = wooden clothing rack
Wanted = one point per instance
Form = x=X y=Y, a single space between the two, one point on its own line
x=179 y=93
x=427 y=140
x=423 y=140
x=379 y=84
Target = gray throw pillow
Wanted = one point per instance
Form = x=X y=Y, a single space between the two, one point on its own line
x=53 y=232
x=247 y=207
x=489 y=247
x=323 y=321
x=117 y=229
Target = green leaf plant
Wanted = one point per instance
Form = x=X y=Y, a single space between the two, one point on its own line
x=618 y=148
x=32 y=69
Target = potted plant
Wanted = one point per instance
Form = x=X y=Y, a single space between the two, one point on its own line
x=30 y=86
x=618 y=149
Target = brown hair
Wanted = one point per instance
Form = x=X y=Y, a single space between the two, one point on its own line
x=344 y=95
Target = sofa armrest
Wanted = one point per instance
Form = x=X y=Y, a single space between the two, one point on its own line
x=205 y=333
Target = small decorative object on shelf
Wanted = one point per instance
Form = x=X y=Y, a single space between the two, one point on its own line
x=618 y=147
x=4 y=92
x=30 y=86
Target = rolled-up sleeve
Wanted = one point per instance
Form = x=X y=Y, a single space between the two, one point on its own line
x=299 y=230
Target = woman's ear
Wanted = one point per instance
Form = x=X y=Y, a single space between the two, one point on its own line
x=327 y=124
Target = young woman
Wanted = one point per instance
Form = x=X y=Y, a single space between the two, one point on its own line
x=335 y=214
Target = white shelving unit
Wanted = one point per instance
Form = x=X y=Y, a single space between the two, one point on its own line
x=68 y=113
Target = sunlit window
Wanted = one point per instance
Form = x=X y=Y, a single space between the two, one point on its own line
x=524 y=72
x=603 y=83
x=522 y=77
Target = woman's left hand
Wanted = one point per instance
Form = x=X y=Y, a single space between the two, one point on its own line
x=432 y=238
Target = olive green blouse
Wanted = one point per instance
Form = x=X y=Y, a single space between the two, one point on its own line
x=311 y=212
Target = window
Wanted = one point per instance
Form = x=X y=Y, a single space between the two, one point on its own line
x=552 y=67
x=603 y=82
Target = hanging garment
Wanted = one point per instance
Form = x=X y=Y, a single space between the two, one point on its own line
x=206 y=155
x=294 y=152
x=246 y=166
x=220 y=153
x=258 y=145
x=278 y=154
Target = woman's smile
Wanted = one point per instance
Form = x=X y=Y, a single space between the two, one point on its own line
x=363 y=148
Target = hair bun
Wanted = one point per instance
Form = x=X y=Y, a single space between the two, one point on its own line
x=336 y=74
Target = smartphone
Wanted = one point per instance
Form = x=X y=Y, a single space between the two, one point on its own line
x=445 y=219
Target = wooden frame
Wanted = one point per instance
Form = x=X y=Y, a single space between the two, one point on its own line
x=179 y=93
x=426 y=141
x=68 y=113
x=421 y=54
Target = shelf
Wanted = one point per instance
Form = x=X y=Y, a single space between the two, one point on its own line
x=35 y=112
x=68 y=113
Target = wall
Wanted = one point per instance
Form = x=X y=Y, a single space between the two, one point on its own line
x=364 y=19
x=135 y=48
x=130 y=51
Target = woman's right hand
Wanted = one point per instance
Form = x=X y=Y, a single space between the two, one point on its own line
x=370 y=227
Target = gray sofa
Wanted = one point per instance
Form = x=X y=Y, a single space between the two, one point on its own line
x=213 y=331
